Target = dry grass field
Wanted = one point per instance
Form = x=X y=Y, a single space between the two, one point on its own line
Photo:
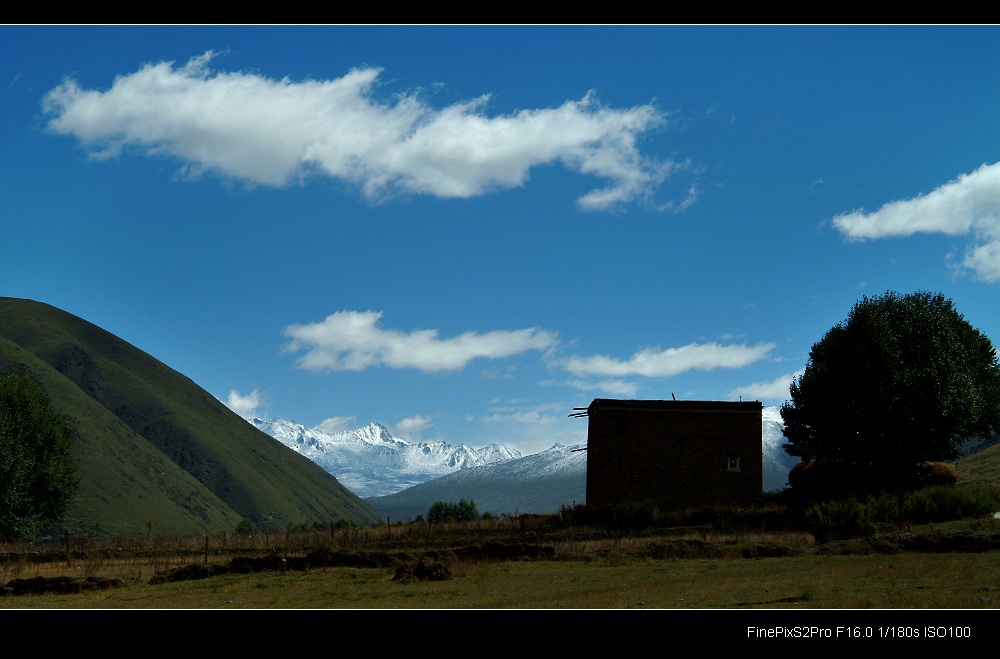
x=513 y=564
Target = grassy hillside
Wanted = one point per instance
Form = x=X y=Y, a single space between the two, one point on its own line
x=496 y=497
x=980 y=467
x=154 y=448
x=526 y=485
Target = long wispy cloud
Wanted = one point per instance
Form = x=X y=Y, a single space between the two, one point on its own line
x=355 y=341
x=660 y=363
x=968 y=206
x=275 y=132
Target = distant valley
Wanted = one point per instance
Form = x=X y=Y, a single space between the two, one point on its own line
x=401 y=479
x=158 y=455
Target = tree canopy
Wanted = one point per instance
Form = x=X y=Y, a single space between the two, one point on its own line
x=442 y=511
x=37 y=475
x=904 y=379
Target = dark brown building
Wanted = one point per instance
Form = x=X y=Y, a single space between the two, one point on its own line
x=680 y=454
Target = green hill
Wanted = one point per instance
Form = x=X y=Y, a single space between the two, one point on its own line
x=153 y=450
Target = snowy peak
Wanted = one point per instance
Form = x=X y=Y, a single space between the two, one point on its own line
x=497 y=453
x=370 y=461
x=376 y=434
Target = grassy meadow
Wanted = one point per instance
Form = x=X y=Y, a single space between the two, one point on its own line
x=719 y=563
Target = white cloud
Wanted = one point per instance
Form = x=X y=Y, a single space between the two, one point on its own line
x=530 y=417
x=969 y=205
x=411 y=428
x=338 y=424
x=776 y=389
x=354 y=341
x=245 y=406
x=274 y=132
x=657 y=363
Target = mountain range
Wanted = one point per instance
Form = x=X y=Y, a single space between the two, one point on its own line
x=156 y=453
x=371 y=462
x=401 y=479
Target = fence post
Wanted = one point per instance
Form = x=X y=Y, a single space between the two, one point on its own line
x=206 y=549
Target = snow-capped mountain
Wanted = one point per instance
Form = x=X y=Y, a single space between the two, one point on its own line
x=371 y=462
x=546 y=481
x=777 y=463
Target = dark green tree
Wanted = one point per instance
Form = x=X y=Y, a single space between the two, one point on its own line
x=467 y=510
x=37 y=475
x=441 y=511
x=904 y=379
x=247 y=528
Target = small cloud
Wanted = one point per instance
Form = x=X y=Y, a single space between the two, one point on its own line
x=527 y=415
x=776 y=389
x=967 y=206
x=498 y=373
x=354 y=341
x=338 y=424
x=245 y=406
x=534 y=428
x=411 y=428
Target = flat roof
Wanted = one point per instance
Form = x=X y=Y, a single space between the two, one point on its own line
x=603 y=403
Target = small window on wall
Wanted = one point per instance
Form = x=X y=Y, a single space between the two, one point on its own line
x=733 y=463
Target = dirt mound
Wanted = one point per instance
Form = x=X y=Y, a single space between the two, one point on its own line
x=60 y=585
x=426 y=569
x=327 y=558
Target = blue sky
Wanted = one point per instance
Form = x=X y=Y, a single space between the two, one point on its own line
x=463 y=233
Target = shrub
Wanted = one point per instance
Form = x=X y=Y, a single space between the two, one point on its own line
x=636 y=515
x=246 y=527
x=840 y=519
x=942 y=503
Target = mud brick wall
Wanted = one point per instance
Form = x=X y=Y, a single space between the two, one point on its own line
x=680 y=454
